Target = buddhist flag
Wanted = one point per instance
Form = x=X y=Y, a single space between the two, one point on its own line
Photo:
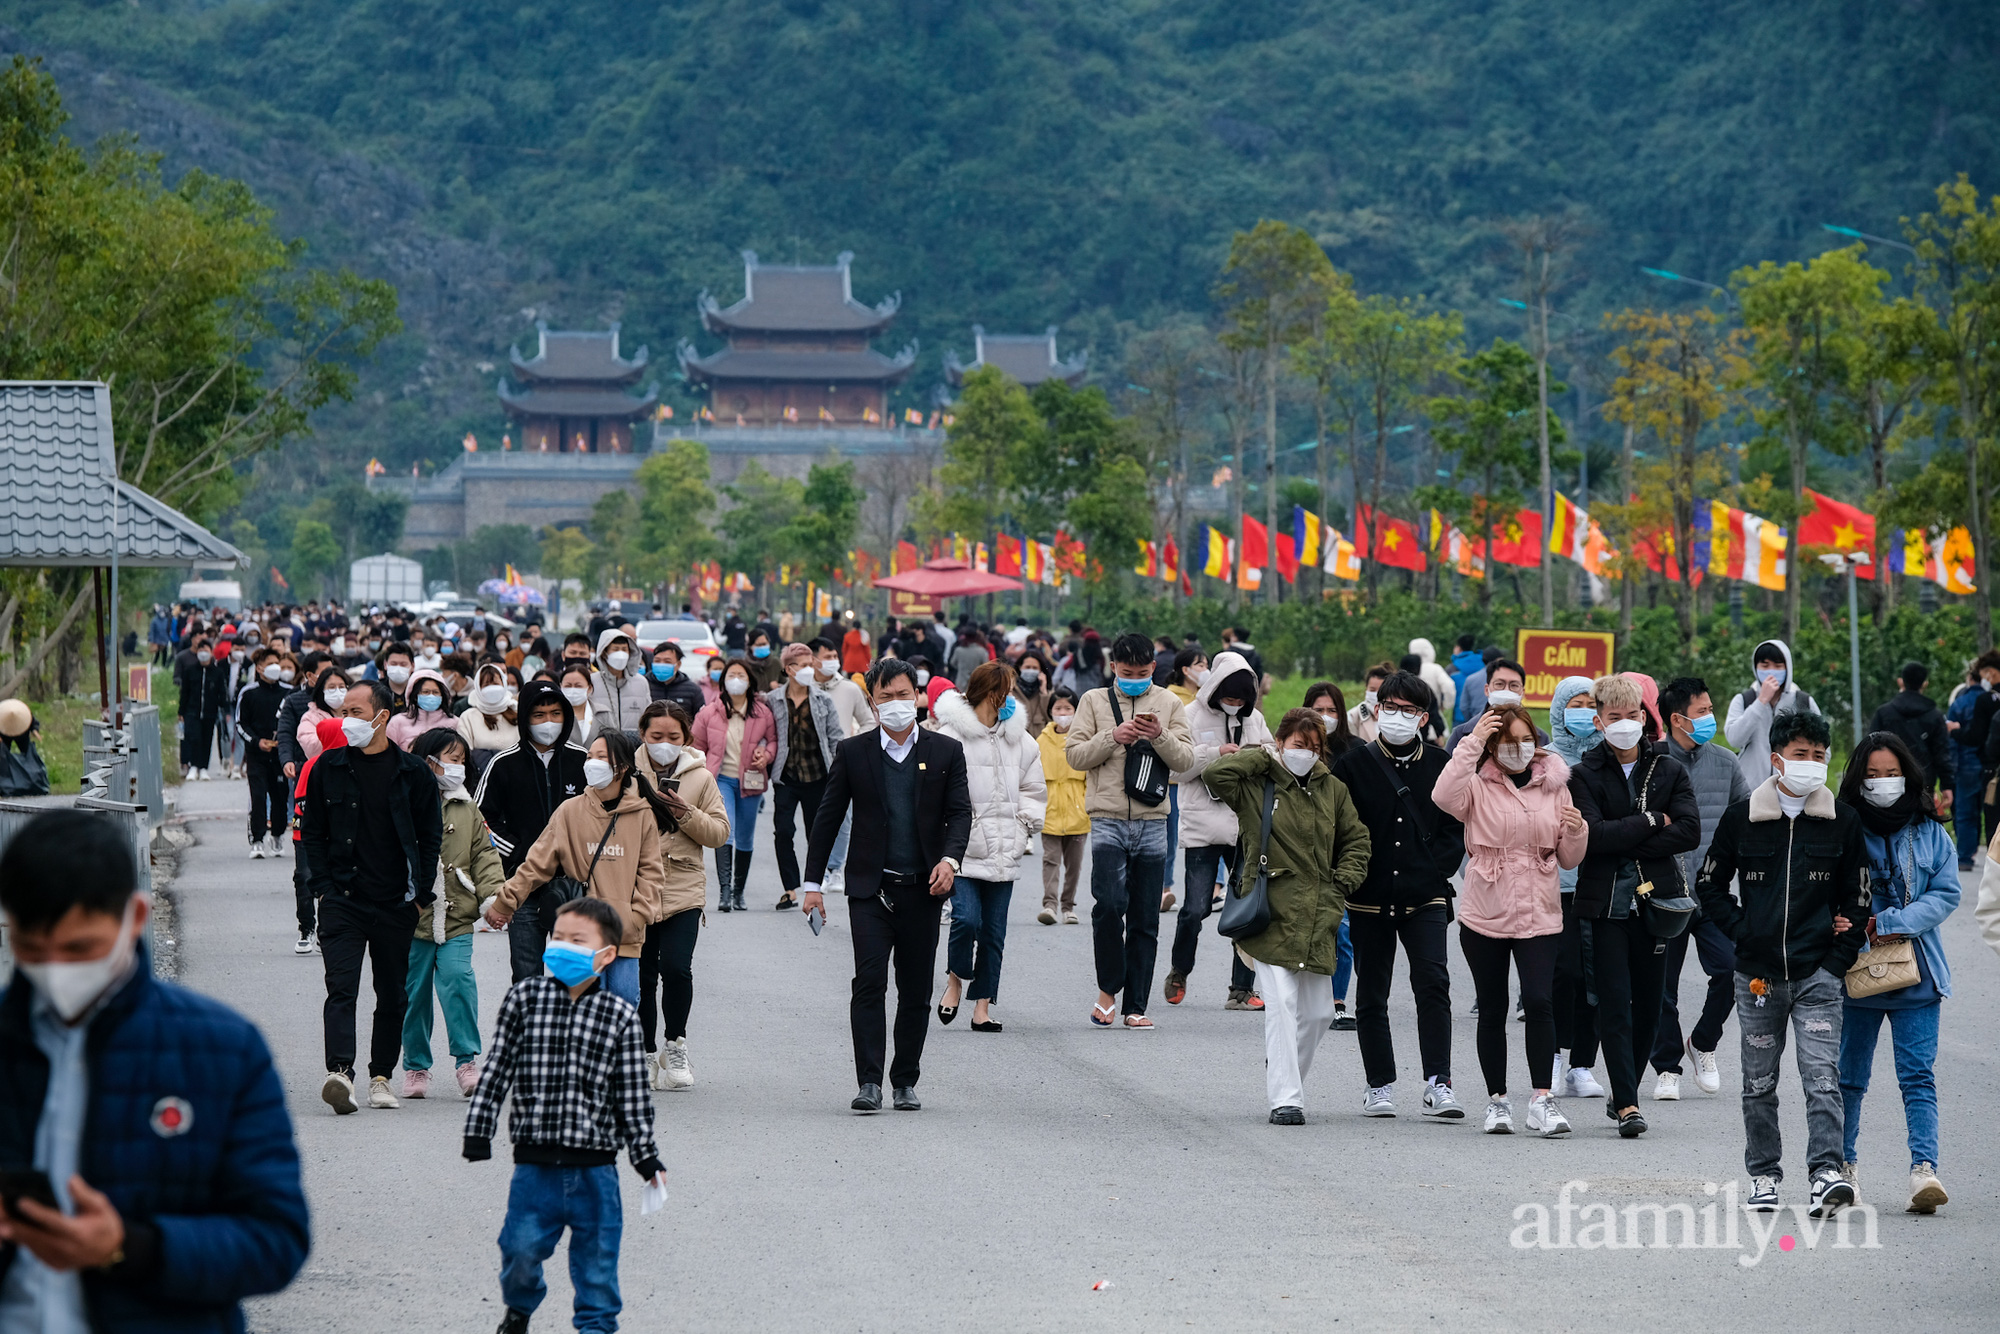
x=1306 y=532
x=1007 y=555
x=1046 y=555
x=1569 y=533
x=980 y=560
x=1286 y=559
x=1170 y=561
x=1256 y=546
x=824 y=415
x=1216 y=566
x=1518 y=540
x=791 y=414
x=1395 y=542
x=1457 y=551
x=1149 y=560
x=1736 y=545
x=1842 y=527
x=1943 y=558
x=1341 y=562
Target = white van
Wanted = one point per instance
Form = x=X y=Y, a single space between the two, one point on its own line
x=224 y=593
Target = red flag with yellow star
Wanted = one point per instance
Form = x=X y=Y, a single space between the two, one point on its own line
x=1838 y=527
x=1395 y=542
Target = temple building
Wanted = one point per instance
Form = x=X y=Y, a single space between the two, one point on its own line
x=1028 y=358
x=798 y=353
x=574 y=395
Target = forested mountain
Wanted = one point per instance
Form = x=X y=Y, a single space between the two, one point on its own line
x=1016 y=162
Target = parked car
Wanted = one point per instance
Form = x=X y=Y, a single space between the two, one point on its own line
x=695 y=638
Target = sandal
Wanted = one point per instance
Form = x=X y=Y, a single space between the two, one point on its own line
x=1108 y=1013
x=1139 y=1022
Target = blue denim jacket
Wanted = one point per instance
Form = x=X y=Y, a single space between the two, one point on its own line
x=1925 y=870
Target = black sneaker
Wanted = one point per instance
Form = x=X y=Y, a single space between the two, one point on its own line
x=1763 y=1197
x=514 y=1322
x=1831 y=1192
x=1343 y=1022
x=1288 y=1116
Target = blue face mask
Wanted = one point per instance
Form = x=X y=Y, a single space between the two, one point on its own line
x=568 y=964
x=1007 y=709
x=1702 y=730
x=430 y=703
x=1580 y=722
x=1135 y=688
x=663 y=671
x=761 y=651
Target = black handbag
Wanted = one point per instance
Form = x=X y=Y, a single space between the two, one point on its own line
x=1666 y=916
x=1249 y=913
x=1145 y=772
x=568 y=889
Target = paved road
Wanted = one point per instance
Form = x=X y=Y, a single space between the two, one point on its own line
x=1053 y=1156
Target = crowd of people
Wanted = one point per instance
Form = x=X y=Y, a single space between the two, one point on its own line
x=434 y=778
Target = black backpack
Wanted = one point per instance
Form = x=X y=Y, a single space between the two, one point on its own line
x=1145 y=771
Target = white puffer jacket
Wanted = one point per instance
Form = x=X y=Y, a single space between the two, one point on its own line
x=1003 y=775
x=618 y=698
x=1206 y=822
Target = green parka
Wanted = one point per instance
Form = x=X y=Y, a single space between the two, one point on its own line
x=468 y=848
x=1318 y=854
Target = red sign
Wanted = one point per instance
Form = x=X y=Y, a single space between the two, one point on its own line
x=1550 y=655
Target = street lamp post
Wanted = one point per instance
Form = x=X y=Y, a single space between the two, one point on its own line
x=1851 y=561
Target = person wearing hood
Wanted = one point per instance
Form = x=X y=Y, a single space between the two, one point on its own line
x=1437 y=678
x=328 y=696
x=1003 y=778
x=492 y=722
x=1521 y=826
x=737 y=736
x=518 y=793
x=1913 y=716
x=424 y=710
x=1572 y=733
x=1689 y=713
x=807 y=726
x=1748 y=726
x=687 y=806
x=1222 y=720
x=618 y=693
x=1314 y=856
x=1066 y=825
x=1465 y=662
x=468 y=875
x=1913 y=879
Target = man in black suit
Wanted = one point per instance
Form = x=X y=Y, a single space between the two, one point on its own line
x=908 y=790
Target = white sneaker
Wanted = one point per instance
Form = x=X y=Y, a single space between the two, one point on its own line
x=379 y=1096
x=1499 y=1117
x=303 y=945
x=1047 y=917
x=1069 y=918
x=1545 y=1118
x=1583 y=1084
x=673 y=1070
x=1926 y=1191
x=1667 y=1088
x=256 y=849
x=188 y=777
x=337 y=1092
x=272 y=847
x=1561 y=1069
x=1706 y=1077
x=1379 y=1101
x=1441 y=1102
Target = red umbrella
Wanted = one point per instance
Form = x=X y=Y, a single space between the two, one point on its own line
x=948 y=579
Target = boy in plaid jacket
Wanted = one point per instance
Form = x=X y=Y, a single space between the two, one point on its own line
x=571 y=1051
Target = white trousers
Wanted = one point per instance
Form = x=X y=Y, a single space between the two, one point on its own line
x=1297 y=1009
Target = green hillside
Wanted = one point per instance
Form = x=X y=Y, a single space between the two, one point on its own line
x=1016 y=164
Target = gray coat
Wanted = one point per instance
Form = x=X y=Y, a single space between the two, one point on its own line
x=1718 y=784
x=826 y=721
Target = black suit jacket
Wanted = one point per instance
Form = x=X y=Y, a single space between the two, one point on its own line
x=944 y=808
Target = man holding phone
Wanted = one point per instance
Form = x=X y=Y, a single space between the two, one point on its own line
x=184 y=1197
x=909 y=787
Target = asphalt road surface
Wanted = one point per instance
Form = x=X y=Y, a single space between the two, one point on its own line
x=1055 y=1157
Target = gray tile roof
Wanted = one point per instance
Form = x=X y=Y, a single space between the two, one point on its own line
x=1028 y=358
x=565 y=401
x=797 y=298
x=58 y=471
x=810 y=367
x=578 y=355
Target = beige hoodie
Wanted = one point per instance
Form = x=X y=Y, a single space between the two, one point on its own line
x=705 y=826
x=630 y=875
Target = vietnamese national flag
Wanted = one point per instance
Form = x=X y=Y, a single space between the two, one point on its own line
x=1396 y=543
x=1256 y=546
x=1187 y=585
x=1842 y=527
x=905 y=558
x=1287 y=559
x=1007 y=555
x=1518 y=541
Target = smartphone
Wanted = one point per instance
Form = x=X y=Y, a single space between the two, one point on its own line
x=816 y=920
x=30 y=1183
x=670 y=785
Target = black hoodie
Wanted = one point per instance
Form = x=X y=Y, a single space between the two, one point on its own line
x=522 y=786
x=1914 y=718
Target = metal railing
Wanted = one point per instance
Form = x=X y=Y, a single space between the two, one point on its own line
x=122 y=764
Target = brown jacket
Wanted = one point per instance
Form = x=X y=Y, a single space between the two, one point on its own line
x=705 y=826
x=630 y=875
x=1089 y=747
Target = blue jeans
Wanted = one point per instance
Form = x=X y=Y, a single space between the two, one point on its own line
x=1914 y=1035
x=1965 y=802
x=1173 y=830
x=622 y=979
x=1343 y=960
x=979 y=919
x=742 y=814
x=1128 y=859
x=541 y=1202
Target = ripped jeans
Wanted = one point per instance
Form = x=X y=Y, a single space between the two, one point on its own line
x=1812 y=1008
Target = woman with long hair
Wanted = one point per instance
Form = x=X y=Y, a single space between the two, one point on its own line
x=327 y=697
x=575 y=681
x=1034 y=684
x=738 y=737
x=1913 y=872
x=425 y=711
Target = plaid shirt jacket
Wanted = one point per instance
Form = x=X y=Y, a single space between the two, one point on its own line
x=578 y=1073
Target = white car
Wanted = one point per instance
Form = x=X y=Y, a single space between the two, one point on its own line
x=696 y=640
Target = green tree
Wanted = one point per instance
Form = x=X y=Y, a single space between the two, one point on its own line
x=758 y=523
x=1086 y=455
x=316 y=555
x=985 y=456
x=1321 y=360
x=822 y=530
x=614 y=528
x=1488 y=428
x=1396 y=348
x=566 y=553
x=675 y=501
x=1170 y=397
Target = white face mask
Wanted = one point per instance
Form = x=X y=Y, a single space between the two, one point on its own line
x=236 y=655
x=1300 y=762
x=1232 y=709
x=1329 y=721
x=597 y=773
x=272 y=672
x=545 y=733
x=1802 y=777
x=359 y=731
x=828 y=668
x=1515 y=756
x=287 y=675
x=1062 y=720
x=1883 y=791
x=1399 y=729
x=204 y=657
x=1502 y=699
x=616 y=659
x=923 y=677
x=1368 y=700
x=898 y=715
x=805 y=676
x=72 y=988
x=335 y=696
x=1196 y=674
x=665 y=753
x=576 y=695
x=1624 y=734
x=735 y=685
x=397 y=675
x=492 y=698
x=451 y=775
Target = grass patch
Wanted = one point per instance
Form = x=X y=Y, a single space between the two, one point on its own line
x=61 y=722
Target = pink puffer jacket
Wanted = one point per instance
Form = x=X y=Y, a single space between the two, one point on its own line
x=1514 y=842
x=760 y=735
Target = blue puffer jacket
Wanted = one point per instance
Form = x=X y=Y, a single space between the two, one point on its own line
x=1925 y=869
x=208 y=1185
